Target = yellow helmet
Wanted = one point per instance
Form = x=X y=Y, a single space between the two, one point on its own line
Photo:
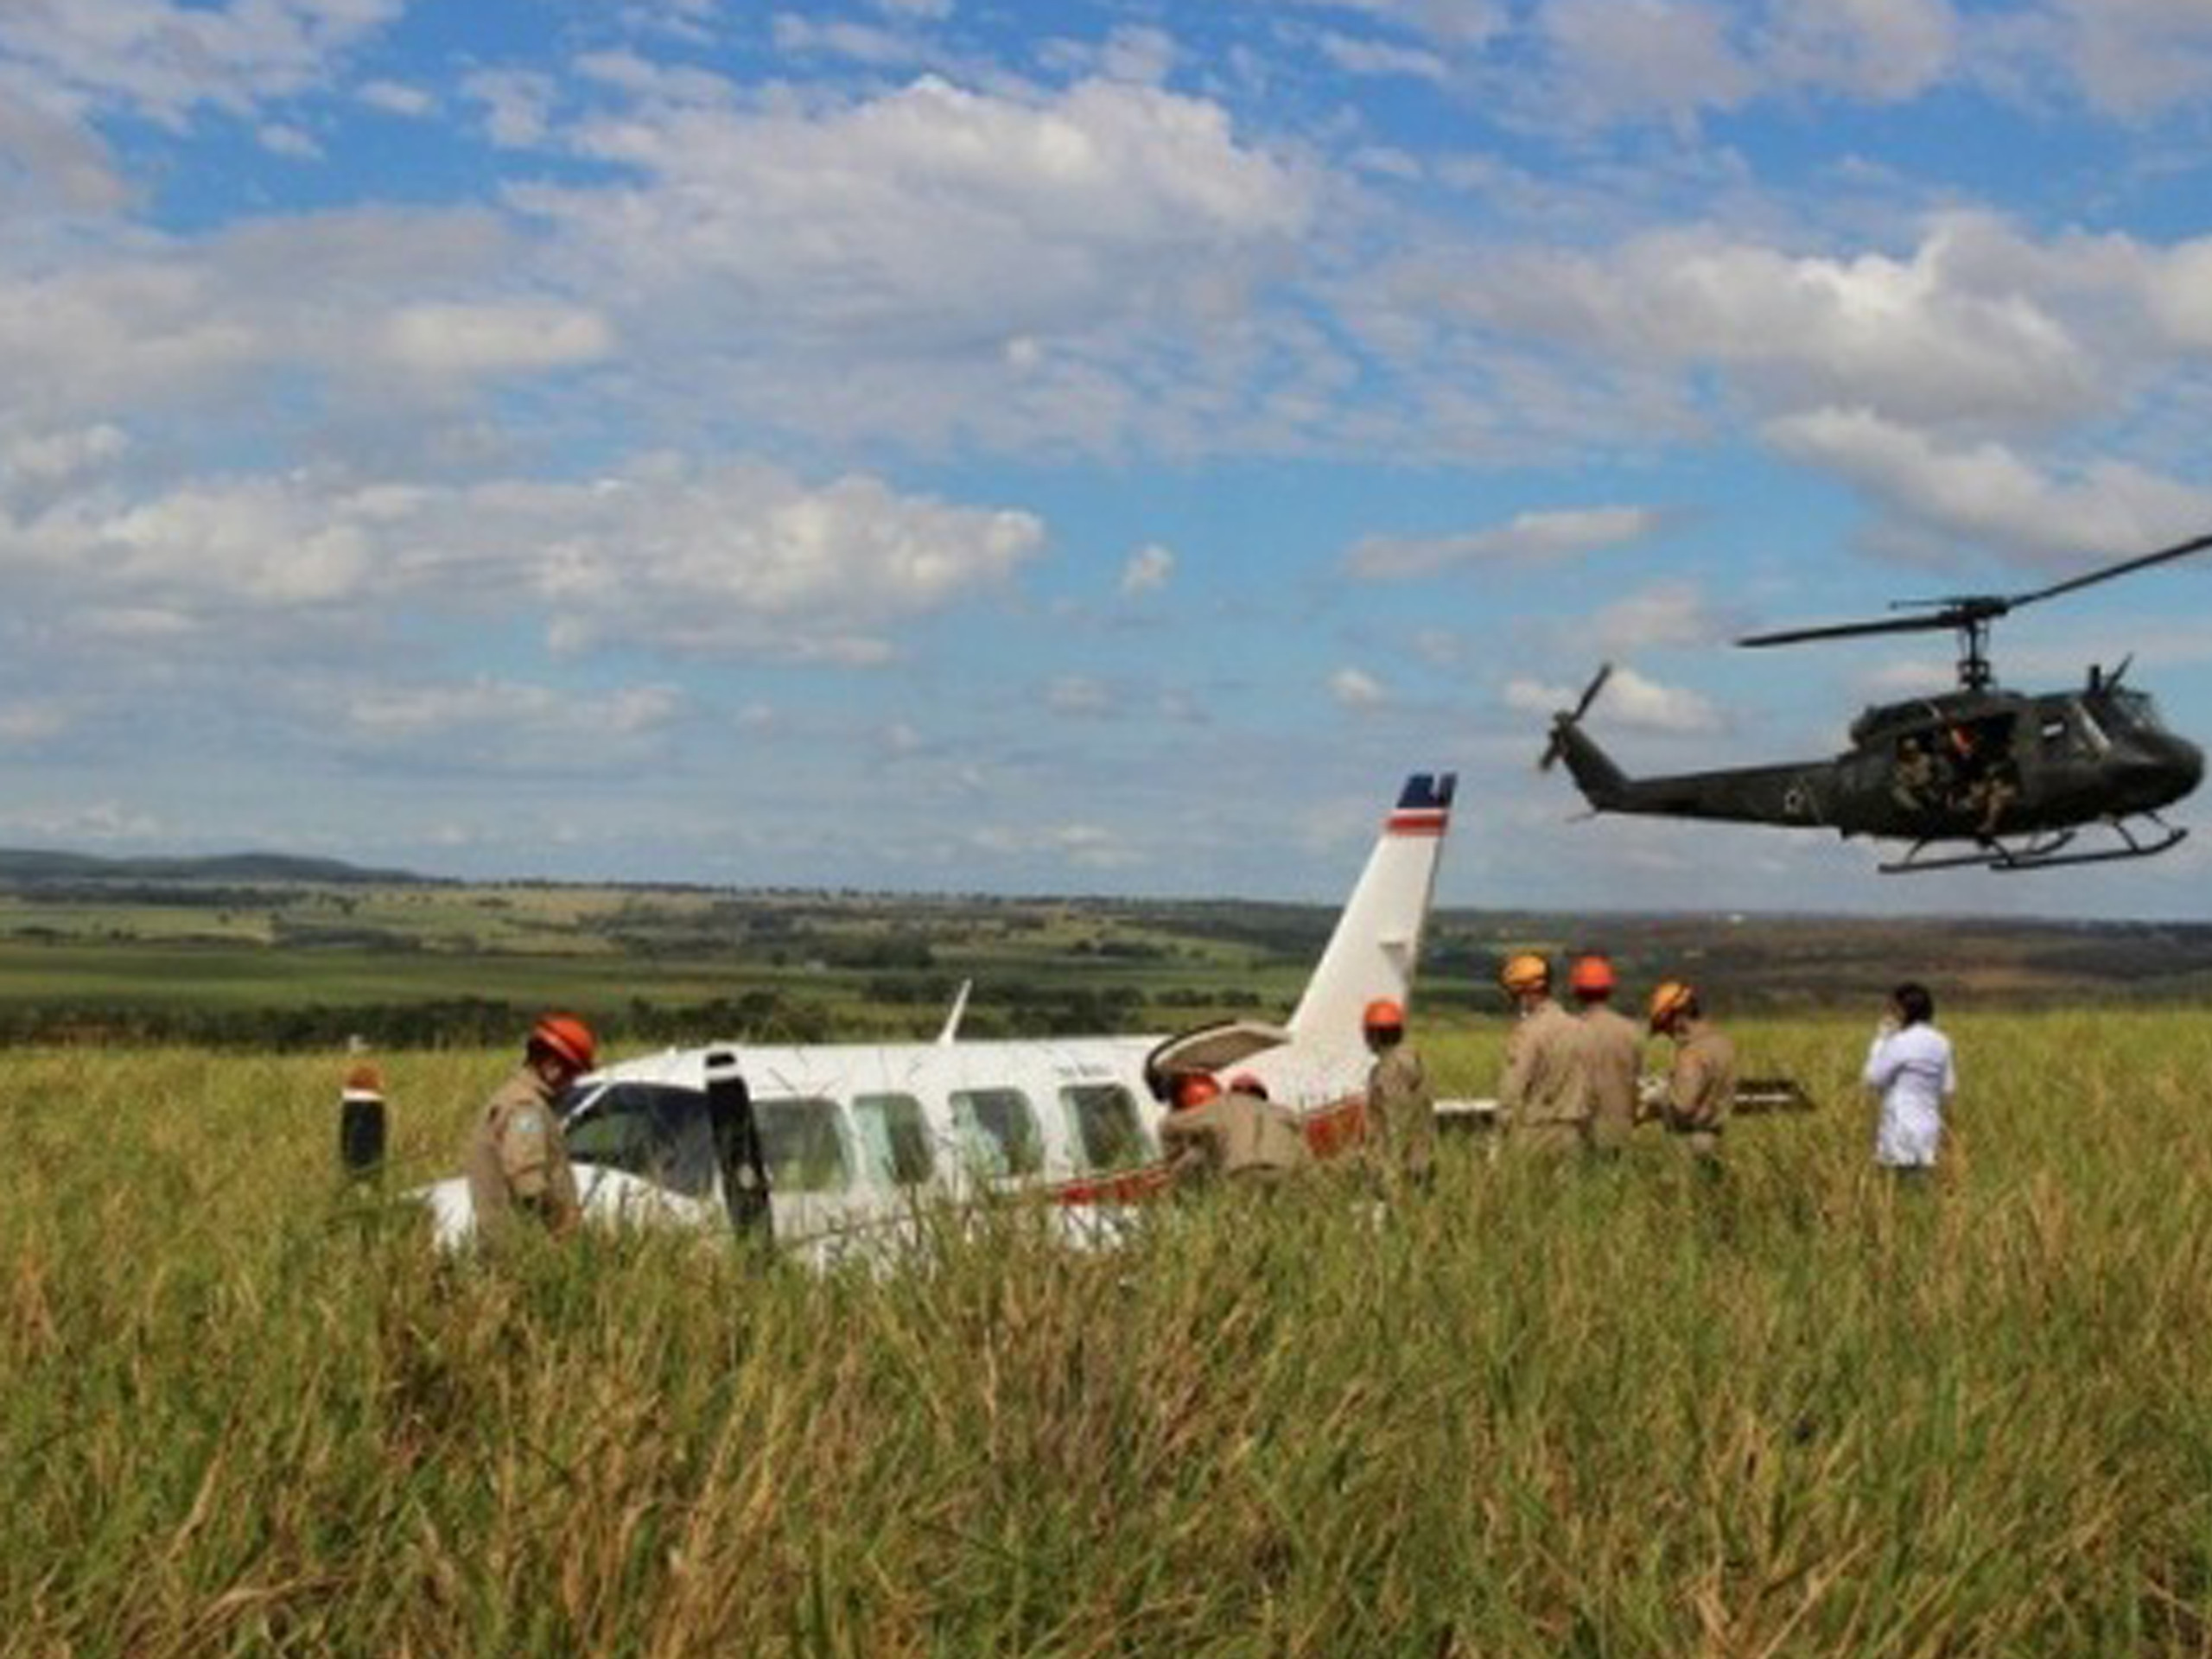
x=1668 y=998
x=1523 y=972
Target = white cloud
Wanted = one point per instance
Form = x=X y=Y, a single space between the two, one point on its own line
x=2134 y=58
x=1629 y=701
x=49 y=159
x=1366 y=57
x=495 y=725
x=415 y=711
x=499 y=339
x=162 y=58
x=1630 y=58
x=518 y=106
x=1079 y=697
x=294 y=143
x=1356 y=690
x=965 y=258
x=99 y=820
x=796 y=36
x=666 y=554
x=1881 y=49
x=397 y=97
x=1147 y=570
x=1667 y=614
x=1085 y=846
x=1991 y=495
x=1938 y=336
x=25 y=722
x=1529 y=538
x=53 y=457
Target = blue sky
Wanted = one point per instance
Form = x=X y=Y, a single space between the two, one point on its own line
x=957 y=444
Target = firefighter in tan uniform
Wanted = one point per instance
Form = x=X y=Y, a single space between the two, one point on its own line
x=1401 y=1109
x=518 y=1163
x=1542 y=1101
x=1612 y=1053
x=1240 y=1138
x=1702 y=1084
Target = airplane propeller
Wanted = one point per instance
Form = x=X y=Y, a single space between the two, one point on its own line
x=1566 y=718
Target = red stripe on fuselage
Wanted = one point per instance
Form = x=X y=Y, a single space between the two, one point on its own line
x=1414 y=823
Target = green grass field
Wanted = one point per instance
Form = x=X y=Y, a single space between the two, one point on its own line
x=1540 y=1411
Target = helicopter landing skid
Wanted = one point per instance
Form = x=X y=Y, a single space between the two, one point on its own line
x=2040 y=853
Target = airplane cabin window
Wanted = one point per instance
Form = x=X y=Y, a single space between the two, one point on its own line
x=803 y=1144
x=998 y=1131
x=894 y=1139
x=1103 y=1116
x=658 y=1133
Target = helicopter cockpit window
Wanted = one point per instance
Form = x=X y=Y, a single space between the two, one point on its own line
x=2138 y=710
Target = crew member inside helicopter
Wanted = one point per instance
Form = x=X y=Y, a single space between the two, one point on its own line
x=1913 y=779
x=1983 y=781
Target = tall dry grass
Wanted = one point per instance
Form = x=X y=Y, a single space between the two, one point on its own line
x=1542 y=1410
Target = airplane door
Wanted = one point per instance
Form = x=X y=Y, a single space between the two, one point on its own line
x=737 y=1149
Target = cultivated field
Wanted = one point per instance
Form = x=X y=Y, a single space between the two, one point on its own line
x=1541 y=1411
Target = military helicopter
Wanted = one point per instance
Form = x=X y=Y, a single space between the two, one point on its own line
x=2017 y=777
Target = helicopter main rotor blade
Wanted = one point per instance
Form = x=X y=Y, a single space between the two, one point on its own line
x=1852 y=629
x=2179 y=549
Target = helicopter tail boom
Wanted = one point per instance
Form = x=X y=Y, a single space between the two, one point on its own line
x=1603 y=784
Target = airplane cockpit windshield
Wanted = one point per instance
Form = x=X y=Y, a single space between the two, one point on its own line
x=653 y=1130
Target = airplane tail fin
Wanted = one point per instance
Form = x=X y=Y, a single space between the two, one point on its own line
x=1377 y=945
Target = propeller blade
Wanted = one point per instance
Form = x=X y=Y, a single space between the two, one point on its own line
x=1590 y=692
x=1557 y=748
x=2179 y=549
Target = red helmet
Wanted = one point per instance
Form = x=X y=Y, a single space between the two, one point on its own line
x=1591 y=975
x=568 y=1040
x=1195 y=1089
x=1383 y=1015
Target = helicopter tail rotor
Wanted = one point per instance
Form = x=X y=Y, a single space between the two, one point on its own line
x=1568 y=718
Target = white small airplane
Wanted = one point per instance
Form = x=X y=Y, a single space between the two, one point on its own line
x=828 y=1148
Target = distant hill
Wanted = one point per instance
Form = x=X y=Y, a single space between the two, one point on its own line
x=23 y=866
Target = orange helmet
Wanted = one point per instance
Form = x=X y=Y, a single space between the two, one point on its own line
x=1195 y=1089
x=1383 y=1015
x=568 y=1040
x=1668 y=998
x=1591 y=975
x=1525 y=971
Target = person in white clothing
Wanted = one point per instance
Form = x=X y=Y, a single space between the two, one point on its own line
x=1912 y=1067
